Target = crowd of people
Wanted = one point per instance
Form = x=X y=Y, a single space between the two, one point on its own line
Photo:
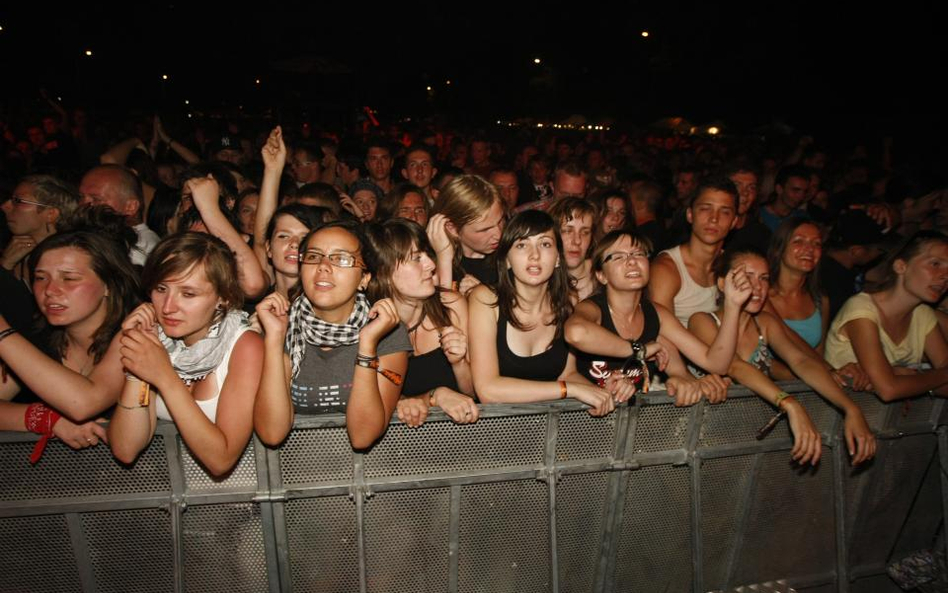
x=228 y=283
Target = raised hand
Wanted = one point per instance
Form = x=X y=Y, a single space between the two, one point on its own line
x=273 y=314
x=737 y=288
x=143 y=317
x=454 y=344
x=274 y=151
x=383 y=318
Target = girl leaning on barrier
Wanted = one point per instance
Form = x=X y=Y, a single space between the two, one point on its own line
x=190 y=356
x=331 y=350
x=439 y=373
x=758 y=333
x=890 y=329
x=611 y=326
x=518 y=350
x=84 y=286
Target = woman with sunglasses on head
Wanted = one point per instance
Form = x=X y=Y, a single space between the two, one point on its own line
x=759 y=333
x=38 y=202
x=620 y=322
x=439 y=373
x=891 y=329
x=331 y=350
x=190 y=356
x=518 y=352
x=84 y=286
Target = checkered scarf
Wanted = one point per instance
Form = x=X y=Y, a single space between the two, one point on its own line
x=305 y=328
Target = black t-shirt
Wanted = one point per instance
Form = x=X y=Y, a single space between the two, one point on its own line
x=596 y=367
x=484 y=269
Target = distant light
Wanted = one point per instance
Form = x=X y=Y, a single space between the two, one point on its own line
x=428 y=88
x=164 y=77
x=539 y=125
x=88 y=52
x=447 y=82
x=59 y=98
x=498 y=122
x=186 y=102
x=1 y=27
x=713 y=130
x=536 y=60
x=189 y=115
x=257 y=81
x=644 y=33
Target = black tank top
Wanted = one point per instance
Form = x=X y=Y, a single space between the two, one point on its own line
x=546 y=366
x=427 y=371
x=595 y=367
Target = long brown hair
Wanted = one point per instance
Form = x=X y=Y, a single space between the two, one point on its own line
x=778 y=245
x=392 y=243
x=111 y=264
x=527 y=224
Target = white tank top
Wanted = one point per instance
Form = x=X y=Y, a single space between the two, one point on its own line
x=208 y=406
x=692 y=297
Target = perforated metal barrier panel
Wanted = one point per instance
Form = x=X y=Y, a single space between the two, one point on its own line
x=531 y=498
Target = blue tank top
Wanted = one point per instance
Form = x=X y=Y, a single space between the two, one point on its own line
x=810 y=329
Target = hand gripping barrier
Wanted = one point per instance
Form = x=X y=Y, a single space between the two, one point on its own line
x=531 y=498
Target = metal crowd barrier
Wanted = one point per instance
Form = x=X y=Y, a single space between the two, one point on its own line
x=531 y=498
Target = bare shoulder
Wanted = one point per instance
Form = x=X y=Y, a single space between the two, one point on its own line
x=482 y=295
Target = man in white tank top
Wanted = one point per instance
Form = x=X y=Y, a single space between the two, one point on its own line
x=682 y=277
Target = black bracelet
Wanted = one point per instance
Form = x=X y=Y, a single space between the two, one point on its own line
x=638 y=350
x=7 y=332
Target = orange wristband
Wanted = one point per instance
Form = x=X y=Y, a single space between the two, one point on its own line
x=562 y=389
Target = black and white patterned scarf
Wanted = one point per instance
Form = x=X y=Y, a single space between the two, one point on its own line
x=193 y=363
x=305 y=328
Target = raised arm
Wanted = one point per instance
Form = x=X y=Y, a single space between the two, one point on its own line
x=444 y=250
x=180 y=149
x=205 y=193
x=455 y=341
x=273 y=408
x=274 y=160
x=118 y=154
x=217 y=445
x=374 y=396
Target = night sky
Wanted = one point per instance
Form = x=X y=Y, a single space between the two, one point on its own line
x=818 y=63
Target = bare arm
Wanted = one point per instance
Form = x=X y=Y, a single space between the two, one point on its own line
x=180 y=149
x=584 y=332
x=373 y=397
x=73 y=395
x=118 y=154
x=457 y=306
x=491 y=387
x=444 y=249
x=219 y=444
x=274 y=160
x=665 y=282
x=864 y=336
x=273 y=408
x=205 y=193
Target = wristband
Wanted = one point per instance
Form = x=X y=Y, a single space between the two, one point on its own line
x=41 y=420
x=372 y=362
x=780 y=397
x=7 y=333
x=563 y=393
x=431 y=398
